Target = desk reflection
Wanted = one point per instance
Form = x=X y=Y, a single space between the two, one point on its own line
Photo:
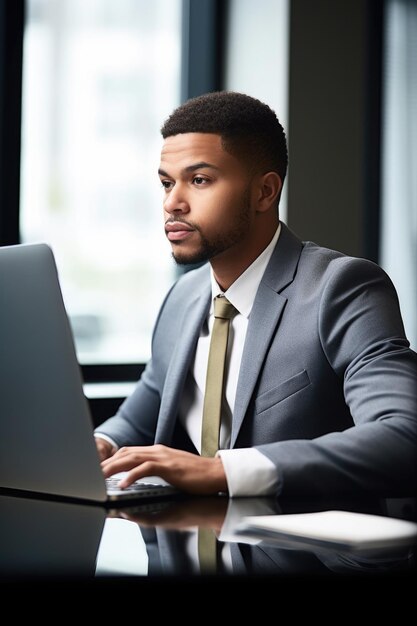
x=40 y=538
x=48 y=539
x=170 y=533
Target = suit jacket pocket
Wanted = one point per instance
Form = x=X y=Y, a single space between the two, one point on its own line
x=288 y=388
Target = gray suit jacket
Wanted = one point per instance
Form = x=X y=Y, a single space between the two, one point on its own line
x=327 y=384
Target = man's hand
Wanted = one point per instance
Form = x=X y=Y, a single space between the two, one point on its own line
x=104 y=448
x=189 y=472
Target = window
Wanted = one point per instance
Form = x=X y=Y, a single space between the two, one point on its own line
x=99 y=78
x=399 y=159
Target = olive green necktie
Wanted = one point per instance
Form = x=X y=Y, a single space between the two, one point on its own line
x=210 y=432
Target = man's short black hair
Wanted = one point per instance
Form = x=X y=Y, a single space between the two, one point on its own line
x=250 y=129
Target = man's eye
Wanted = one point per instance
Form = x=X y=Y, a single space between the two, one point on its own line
x=199 y=180
x=166 y=184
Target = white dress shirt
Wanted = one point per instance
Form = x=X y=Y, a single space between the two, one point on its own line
x=248 y=471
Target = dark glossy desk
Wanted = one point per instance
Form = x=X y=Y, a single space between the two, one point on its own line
x=49 y=540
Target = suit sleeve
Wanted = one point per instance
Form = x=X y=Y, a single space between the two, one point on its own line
x=362 y=336
x=135 y=422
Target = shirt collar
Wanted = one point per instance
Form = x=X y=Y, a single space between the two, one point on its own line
x=243 y=291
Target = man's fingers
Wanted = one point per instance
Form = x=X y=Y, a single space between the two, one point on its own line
x=120 y=464
x=135 y=453
x=124 y=456
x=147 y=468
x=133 y=460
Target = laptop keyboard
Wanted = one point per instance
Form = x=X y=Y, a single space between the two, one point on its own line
x=113 y=484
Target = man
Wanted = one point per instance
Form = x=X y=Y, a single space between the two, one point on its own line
x=320 y=394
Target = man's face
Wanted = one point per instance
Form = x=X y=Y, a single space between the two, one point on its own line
x=207 y=204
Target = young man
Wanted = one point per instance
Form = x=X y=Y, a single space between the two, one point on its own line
x=320 y=392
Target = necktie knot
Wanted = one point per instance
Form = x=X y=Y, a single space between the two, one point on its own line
x=223 y=308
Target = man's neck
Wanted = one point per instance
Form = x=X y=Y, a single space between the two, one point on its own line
x=229 y=265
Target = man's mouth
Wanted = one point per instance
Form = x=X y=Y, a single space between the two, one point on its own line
x=177 y=231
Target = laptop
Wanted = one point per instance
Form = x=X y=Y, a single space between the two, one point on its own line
x=47 y=444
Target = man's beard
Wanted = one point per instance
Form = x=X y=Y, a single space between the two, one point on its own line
x=211 y=248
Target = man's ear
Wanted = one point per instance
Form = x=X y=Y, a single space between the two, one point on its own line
x=268 y=191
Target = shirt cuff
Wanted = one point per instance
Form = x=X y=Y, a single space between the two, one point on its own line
x=106 y=438
x=249 y=473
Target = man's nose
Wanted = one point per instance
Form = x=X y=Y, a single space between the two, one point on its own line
x=175 y=201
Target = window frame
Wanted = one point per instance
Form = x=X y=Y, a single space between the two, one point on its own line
x=12 y=19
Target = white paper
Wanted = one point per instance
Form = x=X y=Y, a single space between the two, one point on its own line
x=346 y=528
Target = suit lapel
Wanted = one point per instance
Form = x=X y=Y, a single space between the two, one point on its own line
x=194 y=316
x=264 y=318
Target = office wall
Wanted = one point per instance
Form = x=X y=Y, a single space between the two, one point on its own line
x=334 y=124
